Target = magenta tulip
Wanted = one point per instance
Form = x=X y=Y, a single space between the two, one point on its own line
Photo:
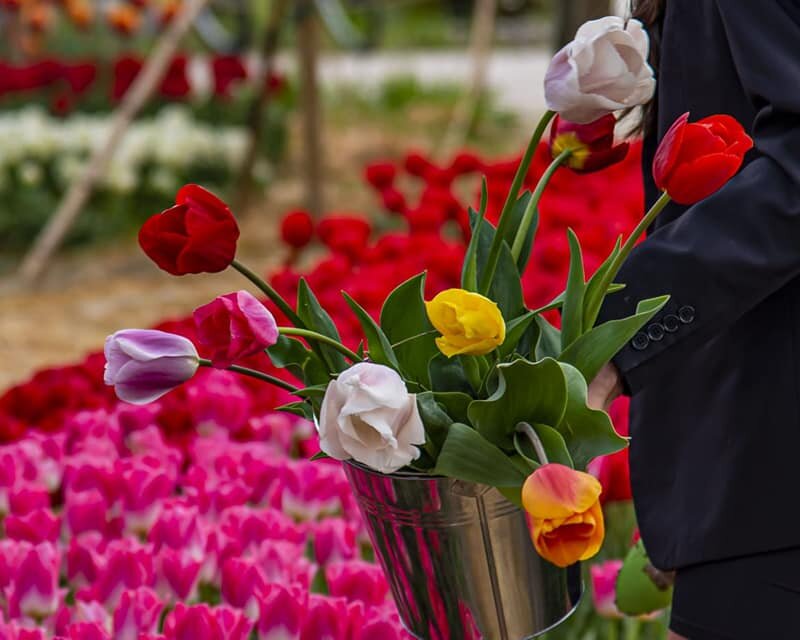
x=234 y=326
x=144 y=364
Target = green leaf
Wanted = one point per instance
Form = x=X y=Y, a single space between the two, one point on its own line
x=594 y=349
x=291 y=354
x=378 y=345
x=532 y=392
x=316 y=391
x=593 y=287
x=319 y=455
x=466 y=455
x=437 y=422
x=405 y=321
x=506 y=287
x=637 y=593
x=588 y=432
x=317 y=319
x=447 y=374
x=301 y=409
x=515 y=330
x=572 y=309
x=554 y=446
x=469 y=270
x=549 y=343
x=455 y=404
x=558 y=301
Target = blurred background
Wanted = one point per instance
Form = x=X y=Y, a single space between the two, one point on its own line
x=274 y=104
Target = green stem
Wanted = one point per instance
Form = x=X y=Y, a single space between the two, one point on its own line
x=527 y=430
x=472 y=371
x=432 y=332
x=612 y=632
x=633 y=628
x=260 y=375
x=593 y=305
x=505 y=214
x=273 y=295
x=318 y=337
x=530 y=210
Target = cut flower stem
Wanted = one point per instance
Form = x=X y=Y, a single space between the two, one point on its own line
x=528 y=431
x=273 y=295
x=253 y=373
x=318 y=337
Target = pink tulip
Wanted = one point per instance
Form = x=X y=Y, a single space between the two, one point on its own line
x=234 y=624
x=138 y=612
x=28 y=497
x=243 y=585
x=233 y=327
x=87 y=631
x=220 y=400
x=144 y=486
x=85 y=511
x=285 y=563
x=85 y=555
x=309 y=490
x=178 y=573
x=604 y=587
x=192 y=623
x=334 y=540
x=178 y=526
x=357 y=580
x=143 y=365
x=283 y=610
x=40 y=525
x=327 y=619
x=93 y=612
x=126 y=566
x=34 y=591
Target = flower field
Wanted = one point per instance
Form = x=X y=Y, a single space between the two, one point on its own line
x=199 y=516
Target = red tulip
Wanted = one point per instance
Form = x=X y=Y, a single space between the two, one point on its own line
x=197 y=235
x=297 y=229
x=696 y=158
x=227 y=70
x=592 y=144
x=380 y=174
x=175 y=84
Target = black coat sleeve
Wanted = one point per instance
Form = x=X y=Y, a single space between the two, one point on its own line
x=729 y=252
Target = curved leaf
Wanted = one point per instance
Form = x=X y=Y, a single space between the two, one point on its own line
x=587 y=432
x=533 y=392
x=572 y=309
x=378 y=345
x=637 y=593
x=317 y=319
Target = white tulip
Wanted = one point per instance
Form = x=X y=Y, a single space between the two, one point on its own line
x=602 y=70
x=368 y=415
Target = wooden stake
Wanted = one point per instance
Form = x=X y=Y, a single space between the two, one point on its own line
x=481 y=37
x=51 y=237
x=308 y=50
x=269 y=47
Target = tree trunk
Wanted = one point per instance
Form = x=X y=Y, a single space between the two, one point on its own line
x=571 y=14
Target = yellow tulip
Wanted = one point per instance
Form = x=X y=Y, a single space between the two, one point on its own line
x=565 y=514
x=470 y=324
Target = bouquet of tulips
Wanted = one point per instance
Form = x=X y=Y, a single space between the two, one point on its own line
x=470 y=384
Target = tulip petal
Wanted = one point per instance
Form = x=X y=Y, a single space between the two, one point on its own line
x=556 y=491
x=697 y=180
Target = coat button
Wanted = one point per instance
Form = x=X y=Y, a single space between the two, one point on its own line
x=686 y=314
x=655 y=332
x=640 y=341
x=671 y=323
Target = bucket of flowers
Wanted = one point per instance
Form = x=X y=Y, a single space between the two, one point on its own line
x=462 y=421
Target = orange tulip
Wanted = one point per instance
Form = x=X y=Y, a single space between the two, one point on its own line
x=124 y=18
x=565 y=514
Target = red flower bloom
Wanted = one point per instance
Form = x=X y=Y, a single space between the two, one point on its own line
x=614 y=474
x=175 y=84
x=393 y=200
x=125 y=71
x=297 y=229
x=592 y=144
x=197 y=235
x=343 y=234
x=80 y=76
x=696 y=158
x=380 y=175
x=227 y=70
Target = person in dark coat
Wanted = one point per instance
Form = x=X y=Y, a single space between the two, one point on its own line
x=715 y=376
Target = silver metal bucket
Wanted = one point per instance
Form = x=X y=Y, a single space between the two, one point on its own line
x=459 y=558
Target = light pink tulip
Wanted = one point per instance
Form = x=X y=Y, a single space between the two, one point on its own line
x=127 y=565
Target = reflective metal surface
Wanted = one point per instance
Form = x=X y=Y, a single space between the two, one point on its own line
x=459 y=558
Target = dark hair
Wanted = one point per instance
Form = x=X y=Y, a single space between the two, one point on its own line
x=650 y=13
